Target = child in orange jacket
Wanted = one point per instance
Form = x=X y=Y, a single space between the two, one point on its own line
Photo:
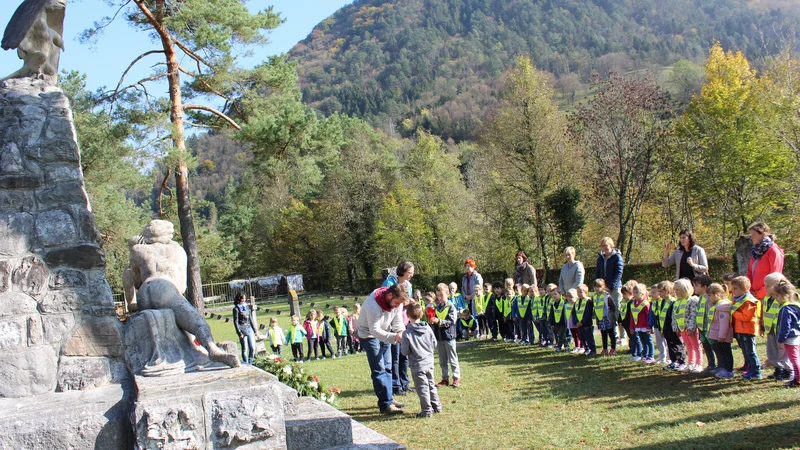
x=746 y=316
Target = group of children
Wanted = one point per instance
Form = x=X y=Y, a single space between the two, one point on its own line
x=688 y=319
x=317 y=331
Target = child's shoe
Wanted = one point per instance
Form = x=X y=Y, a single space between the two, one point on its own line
x=443 y=383
x=456 y=382
x=604 y=352
x=777 y=374
x=671 y=366
x=424 y=414
x=792 y=384
x=752 y=376
x=725 y=375
x=558 y=349
x=637 y=358
x=710 y=369
x=649 y=360
x=588 y=352
x=612 y=353
x=682 y=368
x=697 y=369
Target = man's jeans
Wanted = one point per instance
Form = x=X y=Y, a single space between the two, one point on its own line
x=379 y=357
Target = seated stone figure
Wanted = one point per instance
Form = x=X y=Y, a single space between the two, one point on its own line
x=158 y=270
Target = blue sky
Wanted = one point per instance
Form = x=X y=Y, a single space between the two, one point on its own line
x=120 y=44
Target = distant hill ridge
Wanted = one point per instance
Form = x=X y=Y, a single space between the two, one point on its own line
x=437 y=63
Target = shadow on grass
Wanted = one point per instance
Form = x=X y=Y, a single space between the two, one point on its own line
x=782 y=435
x=612 y=380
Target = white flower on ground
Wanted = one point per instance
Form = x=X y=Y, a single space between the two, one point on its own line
x=287 y=370
x=332 y=398
x=313 y=384
x=323 y=397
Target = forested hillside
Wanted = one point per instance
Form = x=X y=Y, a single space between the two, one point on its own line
x=436 y=64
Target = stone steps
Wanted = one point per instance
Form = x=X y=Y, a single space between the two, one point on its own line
x=319 y=426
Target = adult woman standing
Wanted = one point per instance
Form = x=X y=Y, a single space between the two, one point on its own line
x=245 y=328
x=525 y=273
x=689 y=258
x=572 y=272
x=765 y=258
x=470 y=279
x=404 y=274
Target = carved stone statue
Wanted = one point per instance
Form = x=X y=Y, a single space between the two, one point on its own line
x=158 y=269
x=36 y=30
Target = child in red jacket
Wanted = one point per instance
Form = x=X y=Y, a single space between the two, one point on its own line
x=746 y=317
x=640 y=324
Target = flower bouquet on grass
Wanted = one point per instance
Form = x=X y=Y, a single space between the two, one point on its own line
x=295 y=376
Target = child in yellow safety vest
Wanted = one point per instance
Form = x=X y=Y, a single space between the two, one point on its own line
x=640 y=325
x=276 y=338
x=605 y=312
x=705 y=311
x=585 y=315
x=558 y=318
x=479 y=300
x=669 y=327
x=685 y=319
x=776 y=356
x=508 y=327
x=788 y=335
x=657 y=304
x=572 y=321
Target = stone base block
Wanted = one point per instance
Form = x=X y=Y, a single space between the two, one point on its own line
x=96 y=419
x=367 y=439
x=210 y=409
x=317 y=426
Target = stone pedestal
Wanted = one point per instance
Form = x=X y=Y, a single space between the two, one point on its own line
x=239 y=408
x=56 y=307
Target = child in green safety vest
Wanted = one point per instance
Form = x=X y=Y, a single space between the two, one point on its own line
x=508 y=327
x=585 y=315
x=518 y=309
x=479 y=300
x=558 y=318
x=776 y=356
x=494 y=312
x=640 y=324
x=685 y=318
x=295 y=337
x=625 y=316
x=341 y=329
x=657 y=304
x=467 y=326
x=545 y=329
x=444 y=328
x=788 y=335
x=276 y=337
x=705 y=311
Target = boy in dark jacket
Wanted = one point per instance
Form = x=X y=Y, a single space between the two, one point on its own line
x=418 y=344
x=341 y=329
x=444 y=328
x=324 y=334
x=585 y=312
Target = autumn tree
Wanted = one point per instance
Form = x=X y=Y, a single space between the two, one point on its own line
x=529 y=150
x=624 y=131
x=207 y=35
x=735 y=169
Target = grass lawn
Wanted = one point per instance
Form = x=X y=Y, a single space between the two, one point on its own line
x=529 y=397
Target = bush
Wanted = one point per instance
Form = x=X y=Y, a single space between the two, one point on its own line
x=294 y=376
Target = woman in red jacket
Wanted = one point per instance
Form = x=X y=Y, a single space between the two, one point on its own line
x=765 y=258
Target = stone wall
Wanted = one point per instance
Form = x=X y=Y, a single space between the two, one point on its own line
x=58 y=328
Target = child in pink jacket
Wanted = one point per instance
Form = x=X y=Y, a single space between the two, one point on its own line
x=720 y=333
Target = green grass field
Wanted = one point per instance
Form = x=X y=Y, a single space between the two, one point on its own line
x=529 y=397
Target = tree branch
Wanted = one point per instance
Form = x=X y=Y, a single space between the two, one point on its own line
x=164 y=187
x=215 y=112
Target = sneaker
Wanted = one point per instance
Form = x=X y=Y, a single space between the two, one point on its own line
x=397 y=404
x=682 y=368
x=437 y=410
x=725 y=375
x=752 y=376
x=587 y=353
x=710 y=369
x=649 y=360
x=612 y=353
x=558 y=349
x=424 y=415
x=391 y=410
x=604 y=352
x=400 y=392
x=637 y=358
x=787 y=376
x=792 y=384
x=443 y=383
x=671 y=366
x=697 y=369
x=776 y=375
x=456 y=382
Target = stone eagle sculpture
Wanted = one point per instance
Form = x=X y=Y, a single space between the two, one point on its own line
x=35 y=30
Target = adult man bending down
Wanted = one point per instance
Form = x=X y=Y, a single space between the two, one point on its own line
x=379 y=326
